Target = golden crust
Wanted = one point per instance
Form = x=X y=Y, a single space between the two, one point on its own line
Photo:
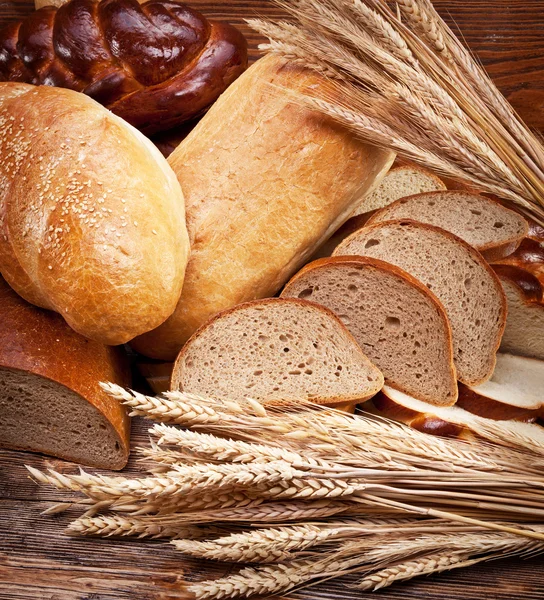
x=266 y=181
x=92 y=218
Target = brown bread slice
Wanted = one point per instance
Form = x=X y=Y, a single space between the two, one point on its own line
x=400 y=325
x=276 y=350
x=488 y=226
x=459 y=276
x=524 y=333
x=50 y=397
x=400 y=181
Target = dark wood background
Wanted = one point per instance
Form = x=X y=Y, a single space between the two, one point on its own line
x=37 y=562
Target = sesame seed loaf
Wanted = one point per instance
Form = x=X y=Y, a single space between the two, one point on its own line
x=399 y=324
x=92 y=221
x=276 y=350
x=456 y=273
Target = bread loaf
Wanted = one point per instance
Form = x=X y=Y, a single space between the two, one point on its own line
x=524 y=332
x=494 y=230
x=513 y=392
x=276 y=350
x=529 y=257
x=399 y=324
x=92 y=220
x=50 y=398
x=156 y=65
x=459 y=276
x=266 y=181
x=456 y=422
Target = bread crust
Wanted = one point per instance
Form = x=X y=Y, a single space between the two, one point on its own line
x=528 y=285
x=476 y=255
x=381 y=265
x=529 y=257
x=486 y=407
x=156 y=65
x=37 y=341
x=92 y=221
x=175 y=383
x=266 y=181
x=491 y=252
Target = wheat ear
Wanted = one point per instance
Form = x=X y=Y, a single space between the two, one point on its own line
x=426 y=565
x=120 y=526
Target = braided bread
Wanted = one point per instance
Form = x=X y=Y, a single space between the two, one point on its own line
x=156 y=65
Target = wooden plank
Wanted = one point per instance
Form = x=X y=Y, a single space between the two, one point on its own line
x=39 y=562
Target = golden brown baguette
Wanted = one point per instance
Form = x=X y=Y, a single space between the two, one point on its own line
x=266 y=181
x=50 y=398
x=92 y=221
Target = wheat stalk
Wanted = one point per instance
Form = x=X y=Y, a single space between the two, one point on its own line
x=112 y=525
x=359 y=556
x=409 y=85
x=374 y=441
x=426 y=565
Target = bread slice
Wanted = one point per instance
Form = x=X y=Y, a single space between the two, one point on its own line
x=276 y=350
x=515 y=391
x=494 y=230
x=524 y=332
x=400 y=325
x=404 y=180
x=461 y=279
x=456 y=422
x=50 y=398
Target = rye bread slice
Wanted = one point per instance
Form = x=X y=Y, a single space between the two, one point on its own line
x=400 y=181
x=494 y=230
x=524 y=333
x=400 y=325
x=458 y=275
x=276 y=350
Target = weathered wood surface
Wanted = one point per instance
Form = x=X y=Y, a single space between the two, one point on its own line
x=38 y=562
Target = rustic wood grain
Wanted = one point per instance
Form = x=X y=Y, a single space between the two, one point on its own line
x=38 y=562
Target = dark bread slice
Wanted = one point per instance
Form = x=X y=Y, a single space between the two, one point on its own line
x=458 y=275
x=524 y=332
x=50 y=398
x=494 y=230
x=400 y=325
x=276 y=350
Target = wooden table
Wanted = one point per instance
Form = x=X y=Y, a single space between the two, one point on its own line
x=37 y=562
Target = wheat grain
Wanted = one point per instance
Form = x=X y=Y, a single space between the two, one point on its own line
x=121 y=526
x=481 y=135
x=426 y=565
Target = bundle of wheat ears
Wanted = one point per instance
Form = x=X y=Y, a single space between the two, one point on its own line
x=312 y=493
x=401 y=79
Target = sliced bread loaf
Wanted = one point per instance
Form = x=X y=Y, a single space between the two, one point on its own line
x=456 y=422
x=276 y=350
x=488 y=226
x=459 y=276
x=524 y=332
x=400 y=325
x=50 y=397
x=515 y=391
x=400 y=181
